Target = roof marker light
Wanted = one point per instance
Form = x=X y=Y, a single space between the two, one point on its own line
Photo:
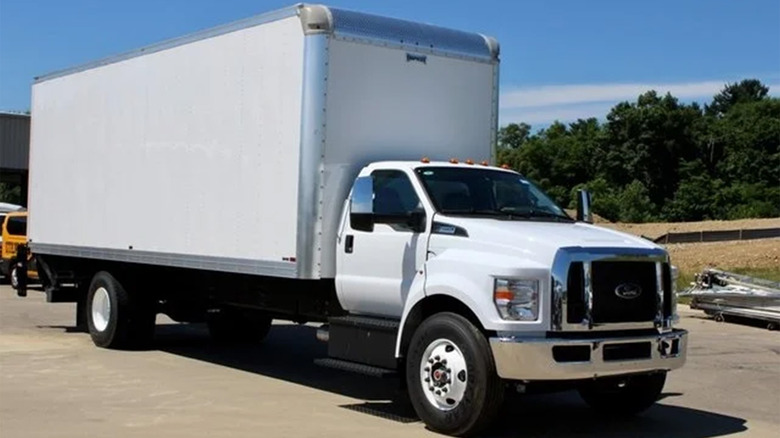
x=454 y=160
x=425 y=160
x=505 y=166
x=469 y=161
x=485 y=163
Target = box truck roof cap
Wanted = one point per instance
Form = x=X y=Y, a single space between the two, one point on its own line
x=340 y=23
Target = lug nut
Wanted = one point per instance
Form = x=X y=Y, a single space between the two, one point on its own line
x=437 y=358
x=438 y=392
x=430 y=360
x=444 y=390
x=426 y=369
x=430 y=388
x=444 y=362
x=427 y=379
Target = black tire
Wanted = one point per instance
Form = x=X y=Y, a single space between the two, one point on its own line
x=129 y=322
x=623 y=396
x=484 y=391
x=232 y=325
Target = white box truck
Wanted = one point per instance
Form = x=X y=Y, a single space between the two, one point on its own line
x=273 y=169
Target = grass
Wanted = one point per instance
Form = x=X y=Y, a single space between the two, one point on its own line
x=685 y=279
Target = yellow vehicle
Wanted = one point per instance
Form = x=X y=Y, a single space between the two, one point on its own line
x=14 y=234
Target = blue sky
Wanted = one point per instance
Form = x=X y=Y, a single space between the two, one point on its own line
x=561 y=59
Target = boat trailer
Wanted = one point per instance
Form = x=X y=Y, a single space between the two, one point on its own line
x=722 y=294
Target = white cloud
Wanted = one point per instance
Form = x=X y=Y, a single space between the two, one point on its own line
x=544 y=104
x=548 y=114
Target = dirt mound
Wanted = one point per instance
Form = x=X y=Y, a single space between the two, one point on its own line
x=752 y=254
x=654 y=230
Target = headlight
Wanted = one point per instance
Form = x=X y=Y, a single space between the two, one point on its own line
x=517 y=299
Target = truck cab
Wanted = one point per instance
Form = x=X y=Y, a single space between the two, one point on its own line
x=449 y=249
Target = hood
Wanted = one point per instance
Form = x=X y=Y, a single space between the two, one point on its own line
x=540 y=240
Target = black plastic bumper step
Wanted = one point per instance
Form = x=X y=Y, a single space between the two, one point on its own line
x=366 y=322
x=355 y=367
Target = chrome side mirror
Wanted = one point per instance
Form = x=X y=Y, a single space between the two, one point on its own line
x=584 y=212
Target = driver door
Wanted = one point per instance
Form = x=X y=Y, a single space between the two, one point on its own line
x=378 y=258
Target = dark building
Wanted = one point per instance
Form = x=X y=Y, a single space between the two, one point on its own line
x=15 y=151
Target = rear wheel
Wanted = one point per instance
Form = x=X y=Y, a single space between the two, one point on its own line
x=116 y=318
x=623 y=396
x=234 y=325
x=451 y=376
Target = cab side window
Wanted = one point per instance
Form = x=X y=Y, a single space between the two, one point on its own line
x=394 y=195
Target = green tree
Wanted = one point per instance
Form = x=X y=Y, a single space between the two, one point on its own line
x=748 y=90
x=635 y=204
x=513 y=135
x=660 y=159
x=647 y=141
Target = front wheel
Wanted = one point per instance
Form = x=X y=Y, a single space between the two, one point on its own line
x=451 y=376
x=623 y=396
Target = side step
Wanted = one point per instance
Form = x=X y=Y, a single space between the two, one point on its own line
x=357 y=368
x=363 y=340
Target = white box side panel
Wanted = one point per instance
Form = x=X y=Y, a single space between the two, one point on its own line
x=191 y=150
x=381 y=106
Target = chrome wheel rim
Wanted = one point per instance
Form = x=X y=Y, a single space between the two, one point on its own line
x=14 y=278
x=443 y=374
x=101 y=309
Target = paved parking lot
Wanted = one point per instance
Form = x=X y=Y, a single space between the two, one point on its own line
x=55 y=383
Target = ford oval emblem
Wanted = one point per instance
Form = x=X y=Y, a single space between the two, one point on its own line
x=628 y=291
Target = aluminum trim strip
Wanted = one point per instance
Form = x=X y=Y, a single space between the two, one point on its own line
x=312 y=150
x=222 y=264
x=175 y=42
x=494 y=114
x=412 y=48
x=457 y=44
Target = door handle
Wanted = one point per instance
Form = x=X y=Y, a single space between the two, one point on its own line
x=349 y=243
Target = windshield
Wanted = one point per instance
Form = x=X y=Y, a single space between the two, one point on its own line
x=484 y=192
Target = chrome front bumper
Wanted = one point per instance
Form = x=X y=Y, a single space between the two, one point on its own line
x=519 y=358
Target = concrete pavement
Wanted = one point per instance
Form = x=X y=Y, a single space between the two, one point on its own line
x=55 y=383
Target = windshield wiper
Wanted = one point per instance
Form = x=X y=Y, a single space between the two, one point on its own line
x=510 y=214
x=548 y=214
x=532 y=213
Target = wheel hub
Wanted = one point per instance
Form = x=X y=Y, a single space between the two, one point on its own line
x=443 y=374
x=101 y=309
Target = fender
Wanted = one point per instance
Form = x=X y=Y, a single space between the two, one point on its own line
x=467 y=276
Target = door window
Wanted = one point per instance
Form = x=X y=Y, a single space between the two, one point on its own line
x=394 y=195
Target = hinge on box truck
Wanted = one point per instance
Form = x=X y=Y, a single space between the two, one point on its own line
x=354 y=367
